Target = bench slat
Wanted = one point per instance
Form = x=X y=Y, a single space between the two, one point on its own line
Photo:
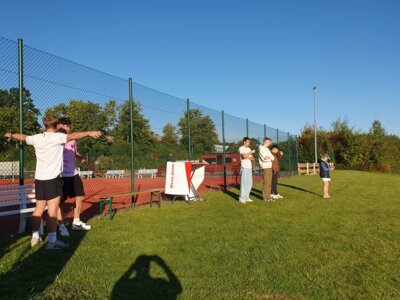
x=18 y=211
x=16 y=187
x=24 y=197
x=131 y=193
x=17 y=203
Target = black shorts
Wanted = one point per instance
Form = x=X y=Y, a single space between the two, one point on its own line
x=48 y=189
x=72 y=187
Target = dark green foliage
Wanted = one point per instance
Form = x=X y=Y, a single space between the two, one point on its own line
x=352 y=149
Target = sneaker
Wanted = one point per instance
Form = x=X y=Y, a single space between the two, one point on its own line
x=36 y=241
x=269 y=200
x=249 y=200
x=57 y=245
x=279 y=196
x=63 y=230
x=81 y=226
x=326 y=196
x=274 y=196
x=243 y=201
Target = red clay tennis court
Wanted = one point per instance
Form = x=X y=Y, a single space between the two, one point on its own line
x=100 y=186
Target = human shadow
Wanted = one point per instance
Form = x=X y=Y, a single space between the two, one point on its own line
x=32 y=274
x=299 y=189
x=142 y=285
x=231 y=194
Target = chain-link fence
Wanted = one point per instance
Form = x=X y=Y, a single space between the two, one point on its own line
x=165 y=128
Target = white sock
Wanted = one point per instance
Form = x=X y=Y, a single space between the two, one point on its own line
x=77 y=221
x=52 y=237
x=35 y=234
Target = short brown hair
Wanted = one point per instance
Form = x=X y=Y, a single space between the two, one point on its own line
x=50 y=122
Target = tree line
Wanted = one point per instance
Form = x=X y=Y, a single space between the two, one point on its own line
x=375 y=150
x=112 y=151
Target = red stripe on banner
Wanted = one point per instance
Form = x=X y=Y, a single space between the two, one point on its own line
x=188 y=167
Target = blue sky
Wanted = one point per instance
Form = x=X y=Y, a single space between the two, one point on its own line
x=254 y=59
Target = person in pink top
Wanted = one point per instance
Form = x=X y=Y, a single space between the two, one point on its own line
x=72 y=183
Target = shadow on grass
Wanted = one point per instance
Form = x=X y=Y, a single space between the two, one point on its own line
x=299 y=189
x=142 y=285
x=32 y=275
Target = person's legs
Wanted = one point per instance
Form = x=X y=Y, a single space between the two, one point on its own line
x=326 y=188
x=249 y=184
x=268 y=183
x=243 y=184
x=37 y=215
x=53 y=206
x=78 y=206
x=265 y=184
x=274 y=184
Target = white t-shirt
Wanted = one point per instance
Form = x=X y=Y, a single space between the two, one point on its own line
x=49 y=148
x=246 y=163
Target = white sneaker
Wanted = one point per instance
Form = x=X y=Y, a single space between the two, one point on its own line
x=63 y=230
x=326 y=196
x=279 y=196
x=36 y=241
x=249 y=200
x=81 y=226
x=57 y=245
x=274 y=196
x=243 y=201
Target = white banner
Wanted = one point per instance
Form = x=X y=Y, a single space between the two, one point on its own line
x=177 y=181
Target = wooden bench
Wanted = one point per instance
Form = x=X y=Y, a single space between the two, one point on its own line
x=115 y=174
x=87 y=174
x=108 y=198
x=21 y=196
x=151 y=172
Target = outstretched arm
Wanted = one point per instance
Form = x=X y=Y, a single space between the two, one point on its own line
x=81 y=135
x=17 y=136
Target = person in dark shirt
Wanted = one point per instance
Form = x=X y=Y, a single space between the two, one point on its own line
x=275 y=171
x=325 y=173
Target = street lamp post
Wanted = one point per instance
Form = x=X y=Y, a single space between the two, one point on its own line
x=315 y=123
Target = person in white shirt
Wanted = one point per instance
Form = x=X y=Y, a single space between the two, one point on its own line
x=49 y=148
x=265 y=160
x=246 y=179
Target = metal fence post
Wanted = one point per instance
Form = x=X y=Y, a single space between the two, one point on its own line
x=21 y=108
x=290 y=156
x=265 y=131
x=277 y=136
x=131 y=136
x=188 y=127
x=223 y=147
x=247 y=127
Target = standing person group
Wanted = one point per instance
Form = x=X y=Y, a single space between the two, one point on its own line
x=269 y=163
x=49 y=150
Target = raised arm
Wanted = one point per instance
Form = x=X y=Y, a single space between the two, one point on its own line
x=17 y=136
x=81 y=135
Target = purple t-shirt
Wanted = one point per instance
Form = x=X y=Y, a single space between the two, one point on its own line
x=69 y=165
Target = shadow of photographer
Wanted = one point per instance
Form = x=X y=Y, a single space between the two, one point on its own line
x=142 y=285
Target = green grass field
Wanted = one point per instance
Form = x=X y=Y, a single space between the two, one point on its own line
x=300 y=247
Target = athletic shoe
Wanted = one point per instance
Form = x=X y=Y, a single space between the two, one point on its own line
x=36 y=241
x=243 y=201
x=274 y=196
x=326 y=196
x=81 y=226
x=57 y=245
x=63 y=230
x=279 y=196
x=249 y=200
x=268 y=200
